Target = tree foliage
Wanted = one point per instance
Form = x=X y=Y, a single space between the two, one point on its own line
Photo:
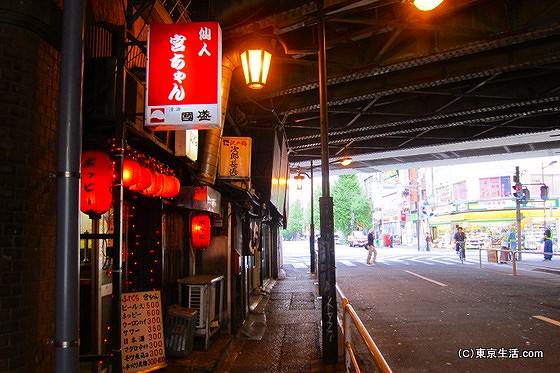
x=294 y=230
x=351 y=208
x=351 y=205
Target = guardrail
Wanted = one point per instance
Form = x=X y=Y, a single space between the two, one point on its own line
x=513 y=256
x=349 y=318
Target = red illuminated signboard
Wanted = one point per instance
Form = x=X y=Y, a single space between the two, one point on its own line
x=184 y=74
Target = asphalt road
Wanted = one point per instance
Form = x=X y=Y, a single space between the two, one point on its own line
x=429 y=313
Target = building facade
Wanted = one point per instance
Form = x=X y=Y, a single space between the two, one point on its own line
x=408 y=204
x=143 y=242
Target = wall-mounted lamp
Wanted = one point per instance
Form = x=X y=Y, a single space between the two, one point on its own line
x=299 y=181
x=426 y=5
x=346 y=161
x=255 y=61
x=256 y=58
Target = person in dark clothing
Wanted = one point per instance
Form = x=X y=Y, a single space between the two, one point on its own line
x=370 y=247
x=459 y=237
x=547 y=239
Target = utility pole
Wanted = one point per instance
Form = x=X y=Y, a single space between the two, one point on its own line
x=327 y=265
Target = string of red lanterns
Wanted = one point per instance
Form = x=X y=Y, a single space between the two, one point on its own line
x=149 y=177
x=140 y=174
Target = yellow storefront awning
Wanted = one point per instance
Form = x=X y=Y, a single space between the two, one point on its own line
x=490 y=216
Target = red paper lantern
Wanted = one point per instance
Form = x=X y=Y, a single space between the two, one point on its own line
x=157 y=183
x=176 y=187
x=144 y=180
x=200 y=231
x=171 y=186
x=131 y=172
x=96 y=192
x=164 y=186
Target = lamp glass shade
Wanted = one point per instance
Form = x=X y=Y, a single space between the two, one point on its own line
x=299 y=181
x=427 y=5
x=256 y=64
x=346 y=161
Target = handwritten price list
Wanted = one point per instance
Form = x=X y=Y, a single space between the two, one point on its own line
x=142 y=340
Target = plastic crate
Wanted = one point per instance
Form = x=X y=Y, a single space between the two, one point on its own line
x=179 y=330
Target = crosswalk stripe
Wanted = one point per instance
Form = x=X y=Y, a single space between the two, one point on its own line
x=442 y=262
x=299 y=265
x=391 y=260
x=421 y=260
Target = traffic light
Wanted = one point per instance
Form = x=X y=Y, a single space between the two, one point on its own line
x=517 y=191
x=525 y=197
x=544 y=192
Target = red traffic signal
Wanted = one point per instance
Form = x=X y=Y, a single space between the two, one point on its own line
x=517 y=191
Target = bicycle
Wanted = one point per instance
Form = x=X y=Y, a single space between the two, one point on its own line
x=461 y=251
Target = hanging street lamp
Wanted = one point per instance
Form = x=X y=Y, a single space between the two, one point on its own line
x=255 y=61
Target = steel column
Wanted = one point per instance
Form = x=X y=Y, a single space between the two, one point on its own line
x=327 y=275
x=67 y=309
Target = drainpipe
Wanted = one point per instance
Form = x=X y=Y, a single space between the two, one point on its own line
x=208 y=164
x=66 y=340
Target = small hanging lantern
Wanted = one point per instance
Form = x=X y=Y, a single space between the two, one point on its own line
x=144 y=180
x=299 y=181
x=201 y=232
x=96 y=192
x=176 y=187
x=131 y=172
x=346 y=161
x=156 y=185
x=171 y=186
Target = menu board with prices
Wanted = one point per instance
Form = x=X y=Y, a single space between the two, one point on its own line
x=142 y=340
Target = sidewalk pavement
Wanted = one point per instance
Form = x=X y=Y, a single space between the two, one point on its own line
x=283 y=330
x=281 y=334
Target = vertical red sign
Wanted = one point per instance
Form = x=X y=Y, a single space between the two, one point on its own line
x=184 y=73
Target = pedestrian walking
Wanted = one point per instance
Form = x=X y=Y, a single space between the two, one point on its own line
x=428 y=241
x=371 y=247
x=504 y=246
x=513 y=244
x=547 y=240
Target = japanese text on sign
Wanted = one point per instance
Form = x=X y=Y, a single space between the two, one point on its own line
x=142 y=332
x=184 y=76
x=235 y=158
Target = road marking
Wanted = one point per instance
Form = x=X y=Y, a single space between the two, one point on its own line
x=543 y=318
x=421 y=260
x=299 y=265
x=425 y=278
x=442 y=262
x=347 y=263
